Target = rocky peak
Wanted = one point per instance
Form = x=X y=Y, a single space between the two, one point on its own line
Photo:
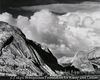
x=20 y=56
x=86 y=60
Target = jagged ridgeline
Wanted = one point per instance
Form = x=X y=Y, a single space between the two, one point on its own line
x=20 y=56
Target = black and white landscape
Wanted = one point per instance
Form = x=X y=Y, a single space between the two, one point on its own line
x=50 y=38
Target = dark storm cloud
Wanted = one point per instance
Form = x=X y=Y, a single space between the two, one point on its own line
x=6 y=4
x=18 y=3
x=64 y=8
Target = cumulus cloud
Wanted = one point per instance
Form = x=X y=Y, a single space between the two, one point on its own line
x=7 y=18
x=64 y=35
x=87 y=21
x=22 y=22
x=96 y=24
x=44 y=20
x=73 y=20
x=85 y=34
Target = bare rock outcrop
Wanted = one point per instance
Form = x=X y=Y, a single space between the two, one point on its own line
x=22 y=57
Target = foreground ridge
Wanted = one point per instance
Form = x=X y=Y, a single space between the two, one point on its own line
x=20 y=56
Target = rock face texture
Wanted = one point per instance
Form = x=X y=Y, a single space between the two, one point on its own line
x=93 y=53
x=22 y=57
x=94 y=56
x=81 y=62
x=85 y=60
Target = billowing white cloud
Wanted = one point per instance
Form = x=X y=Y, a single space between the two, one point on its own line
x=87 y=21
x=96 y=24
x=73 y=20
x=42 y=20
x=22 y=22
x=64 y=35
x=7 y=18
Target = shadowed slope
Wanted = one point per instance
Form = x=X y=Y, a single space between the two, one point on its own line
x=23 y=57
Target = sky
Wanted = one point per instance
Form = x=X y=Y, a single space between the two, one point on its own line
x=18 y=3
x=6 y=4
x=65 y=27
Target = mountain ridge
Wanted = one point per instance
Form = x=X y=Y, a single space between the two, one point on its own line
x=23 y=57
x=85 y=60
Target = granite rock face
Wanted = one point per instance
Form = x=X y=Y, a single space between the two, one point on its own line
x=22 y=57
x=86 y=60
x=83 y=65
x=94 y=56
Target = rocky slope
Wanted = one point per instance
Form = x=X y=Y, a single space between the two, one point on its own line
x=81 y=62
x=22 y=57
x=88 y=60
x=85 y=61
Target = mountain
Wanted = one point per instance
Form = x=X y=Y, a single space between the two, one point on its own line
x=83 y=65
x=20 y=56
x=93 y=53
x=65 y=61
x=87 y=60
x=94 y=56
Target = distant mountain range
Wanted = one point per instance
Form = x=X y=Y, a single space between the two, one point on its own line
x=86 y=61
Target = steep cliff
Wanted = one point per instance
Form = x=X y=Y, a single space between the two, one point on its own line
x=22 y=57
x=86 y=60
